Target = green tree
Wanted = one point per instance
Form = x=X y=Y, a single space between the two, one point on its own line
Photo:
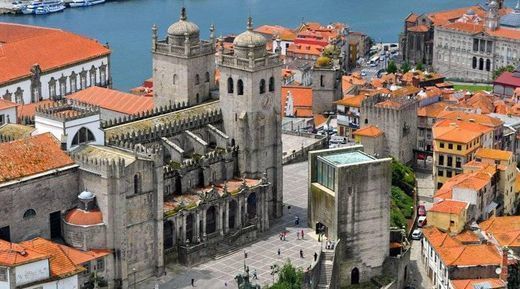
x=405 y=67
x=497 y=72
x=419 y=66
x=392 y=67
x=289 y=277
x=403 y=177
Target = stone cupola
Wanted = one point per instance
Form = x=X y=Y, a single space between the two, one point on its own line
x=183 y=30
x=250 y=44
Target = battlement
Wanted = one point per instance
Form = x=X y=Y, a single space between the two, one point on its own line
x=146 y=114
x=66 y=110
x=270 y=60
x=211 y=157
x=203 y=47
x=103 y=166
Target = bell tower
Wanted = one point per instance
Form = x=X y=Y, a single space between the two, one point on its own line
x=183 y=65
x=250 y=102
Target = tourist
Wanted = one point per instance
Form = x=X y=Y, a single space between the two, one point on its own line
x=315 y=256
x=245 y=254
x=192 y=282
x=301 y=253
x=302 y=234
x=297 y=221
x=298 y=235
x=278 y=251
x=254 y=274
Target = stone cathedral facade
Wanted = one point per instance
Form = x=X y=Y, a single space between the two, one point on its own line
x=198 y=174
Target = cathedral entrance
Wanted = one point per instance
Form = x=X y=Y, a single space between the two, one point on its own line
x=354 y=276
x=189 y=227
x=232 y=214
x=211 y=220
x=251 y=206
x=55 y=221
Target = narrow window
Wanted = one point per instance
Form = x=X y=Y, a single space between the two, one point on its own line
x=207 y=77
x=174 y=79
x=197 y=79
x=29 y=214
x=230 y=85
x=488 y=65
x=481 y=64
x=474 y=63
x=137 y=183
x=240 y=87
x=322 y=84
x=271 y=84
x=262 y=86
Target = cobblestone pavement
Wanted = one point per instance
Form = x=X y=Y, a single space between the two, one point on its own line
x=218 y=273
x=419 y=279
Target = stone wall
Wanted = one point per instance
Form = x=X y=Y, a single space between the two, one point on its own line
x=55 y=192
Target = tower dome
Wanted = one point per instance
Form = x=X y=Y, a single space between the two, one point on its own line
x=182 y=29
x=250 y=41
x=86 y=196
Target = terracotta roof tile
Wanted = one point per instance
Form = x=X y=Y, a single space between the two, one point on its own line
x=352 y=100
x=457 y=131
x=432 y=110
x=29 y=110
x=84 y=218
x=5 y=104
x=114 y=100
x=80 y=257
x=30 y=156
x=275 y=30
x=369 y=131
x=302 y=99
x=60 y=264
x=487 y=153
x=449 y=206
x=12 y=254
x=23 y=46
x=472 y=117
x=478 y=283
x=419 y=28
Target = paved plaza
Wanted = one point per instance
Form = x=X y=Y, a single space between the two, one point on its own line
x=292 y=143
x=220 y=272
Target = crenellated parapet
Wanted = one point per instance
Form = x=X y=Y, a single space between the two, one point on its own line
x=197 y=161
x=172 y=107
x=171 y=128
x=66 y=110
x=103 y=166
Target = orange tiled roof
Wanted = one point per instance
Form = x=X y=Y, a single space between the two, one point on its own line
x=310 y=49
x=449 y=207
x=12 y=254
x=482 y=101
x=369 y=131
x=25 y=157
x=501 y=224
x=446 y=16
x=467 y=237
x=28 y=110
x=405 y=91
x=80 y=257
x=389 y=104
x=302 y=99
x=319 y=119
x=412 y=17
x=279 y=31
x=23 y=46
x=419 y=28
x=113 y=100
x=352 y=100
x=475 y=180
x=60 y=264
x=432 y=110
x=5 y=104
x=347 y=81
x=84 y=218
x=473 y=283
x=493 y=154
x=457 y=131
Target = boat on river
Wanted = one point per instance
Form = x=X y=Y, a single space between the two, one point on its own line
x=85 y=3
x=44 y=7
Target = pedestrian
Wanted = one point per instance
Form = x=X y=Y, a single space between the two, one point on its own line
x=297 y=221
x=315 y=256
x=254 y=275
x=302 y=234
x=298 y=235
x=284 y=234
x=278 y=251
x=225 y=284
x=280 y=235
x=192 y=282
x=245 y=254
x=301 y=253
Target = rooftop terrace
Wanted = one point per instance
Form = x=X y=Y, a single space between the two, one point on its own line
x=347 y=158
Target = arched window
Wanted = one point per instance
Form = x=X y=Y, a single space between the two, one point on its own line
x=197 y=79
x=488 y=65
x=474 y=63
x=92 y=76
x=354 y=276
x=230 y=85
x=481 y=64
x=262 y=86
x=175 y=79
x=84 y=135
x=207 y=77
x=240 y=87
x=29 y=214
x=366 y=120
x=271 y=84
x=137 y=183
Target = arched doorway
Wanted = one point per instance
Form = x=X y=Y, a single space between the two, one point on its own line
x=211 y=220
x=251 y=206
x=354 y=276
x=232 y=214
x=189 y=227
x=169 y=232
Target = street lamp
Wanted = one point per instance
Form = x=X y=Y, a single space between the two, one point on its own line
x=135 y=280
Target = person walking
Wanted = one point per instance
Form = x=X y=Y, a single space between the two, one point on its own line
x=192 y=282
x=279 y=252
x=302 y=234
x=298 y=235
x=245 y=254
x=315 y=256
x=301 y=253
x=254 y=275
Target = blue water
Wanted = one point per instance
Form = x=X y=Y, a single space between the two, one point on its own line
x=126 y=25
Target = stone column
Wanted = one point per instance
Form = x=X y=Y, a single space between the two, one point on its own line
x=245 y=218
x=226 y=217
x=265 y=211
x=220 y=226
x=183 y=234
x=238 y=216
x=204 y=224
x=196 y=234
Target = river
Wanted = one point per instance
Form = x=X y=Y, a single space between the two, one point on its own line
x=126 y=25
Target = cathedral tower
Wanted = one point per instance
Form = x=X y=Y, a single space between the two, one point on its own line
x=183 y=65
x=250 y=102
x=493 y=16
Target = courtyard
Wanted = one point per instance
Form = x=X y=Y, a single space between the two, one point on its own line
x=262 y=254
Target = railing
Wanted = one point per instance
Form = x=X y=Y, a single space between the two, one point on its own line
x=266 y=61
x=201 y=48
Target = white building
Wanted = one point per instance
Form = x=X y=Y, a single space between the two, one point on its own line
x=42 y=63
x=471 y=48
x=7 y=112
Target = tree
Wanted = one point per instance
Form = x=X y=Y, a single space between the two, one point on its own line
x=419 y=66
x=392 y=67
x=289 y=277
x=405 y=67
x=497 y=72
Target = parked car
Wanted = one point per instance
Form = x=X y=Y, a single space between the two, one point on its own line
x=421 y=221
x=417 y=234
x=421 y=210
x=363 y=73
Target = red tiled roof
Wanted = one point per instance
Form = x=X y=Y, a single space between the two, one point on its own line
x=84 y=218
x=352 y=100
x=302 y=99
x=25 y=157
x=60 y=264
x=5 y=104
x=114 y=100
x=369 y=131
x=12 y=254
x=23 y=46
x=279 y=31
x=419 y=28
x=80 y=257
x=449 y=206
x=508 y=79
x=28 y=110
x=473 y=284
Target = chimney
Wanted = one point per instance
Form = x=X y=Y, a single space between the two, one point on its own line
x=504 y=267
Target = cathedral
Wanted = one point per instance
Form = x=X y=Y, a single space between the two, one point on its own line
x=195 y=176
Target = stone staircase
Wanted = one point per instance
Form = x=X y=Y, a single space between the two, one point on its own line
x=326 y=267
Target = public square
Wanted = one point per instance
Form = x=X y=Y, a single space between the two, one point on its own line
x=262 y=254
